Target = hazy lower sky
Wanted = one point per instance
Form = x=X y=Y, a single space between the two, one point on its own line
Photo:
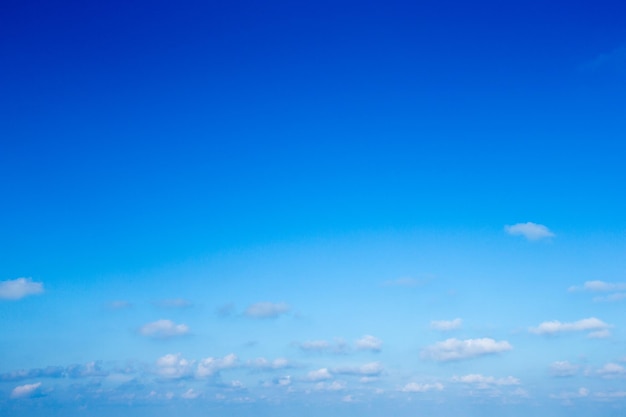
x=325 y=208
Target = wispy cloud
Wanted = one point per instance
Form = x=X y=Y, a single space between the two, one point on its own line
x=25 y=391
x=599 y=286
x=263 y=364
x=530 y=230
x=415 y=387
x=481 y=381
x=368 y=369
x=19 y=288
x=338 y=346
x=455 y=349
x=597 y=328
x=266 y=310
x=446 y=325
x=163 y=329
x=563 y=369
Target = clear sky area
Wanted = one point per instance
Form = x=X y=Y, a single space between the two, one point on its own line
x=313 y=208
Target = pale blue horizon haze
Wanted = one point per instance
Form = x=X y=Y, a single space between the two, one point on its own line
x=313 y=208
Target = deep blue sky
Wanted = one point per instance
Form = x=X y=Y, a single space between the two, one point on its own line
x=161 y=150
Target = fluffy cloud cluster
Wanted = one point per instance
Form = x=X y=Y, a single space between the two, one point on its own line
x=174 y=366
x=163 y=329
x=446 y=325
x=266 y=310
x=530 y=230
x=72 y=371
x=19 y=288
x=455 y=349
x=612 y=370
x=597 y=328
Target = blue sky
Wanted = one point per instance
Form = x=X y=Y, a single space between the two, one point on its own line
x=313 y=208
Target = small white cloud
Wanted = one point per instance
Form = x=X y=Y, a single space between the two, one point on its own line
x=262 y=364
x=599 y=286
x=25 y=391
x=190 y=394
x=455 y=349
x=530 y=230
x=368 y=369
x=588 y=324
x=563 y=369
x=369 y=342
x=481 y=381
x=567 y=396
x=348 y=399
x=415 y=387
x=612 y=370
x=319 y=375
x=209 y=366
x=265 y=310
x=599 y=334
x=19 y=288
x=330 y=386
x=446 y=325
x=163 y=329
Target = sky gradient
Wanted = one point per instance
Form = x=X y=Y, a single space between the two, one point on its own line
x=233 y=208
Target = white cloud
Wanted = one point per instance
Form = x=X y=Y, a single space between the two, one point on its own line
x=415 y=387
x=599 y=334
x=163 y=329
x=19 y=288
x=599 y=286
x=612 y=370
x=563 y=369
x=369 y=342
x=174 y=366
x=330 y=386
x=25 y=391
x=567 y=396
x=481 y=381
x=190 y=394
x=319 y=375
x=446 y=325
x=455 y=349
x=264 y=310
x=588 y=324
x=530 y=230
x=209 y=366
x=368 y=369
x=262 y=364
